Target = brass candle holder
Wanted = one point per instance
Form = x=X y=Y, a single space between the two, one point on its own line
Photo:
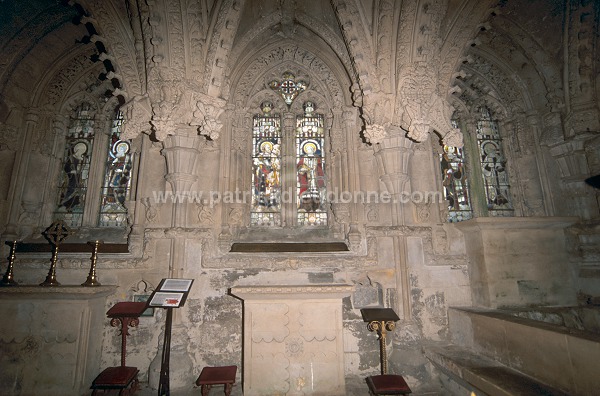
x=8 y=279
x=92 y=280
x=55 y=234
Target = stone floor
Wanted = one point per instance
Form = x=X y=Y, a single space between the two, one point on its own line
x=353 y=388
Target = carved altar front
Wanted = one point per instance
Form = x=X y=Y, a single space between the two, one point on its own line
x=51 y=338
x=293 y=339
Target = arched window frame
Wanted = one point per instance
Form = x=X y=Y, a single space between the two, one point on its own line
x=106 y=122
x=471 y=123
x=291 y=161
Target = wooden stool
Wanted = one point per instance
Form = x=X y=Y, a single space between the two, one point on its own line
x=210 y=376
x=388 y=384
x=121 y=377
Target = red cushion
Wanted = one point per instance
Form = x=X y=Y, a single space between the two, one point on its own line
x=387 y=384
x=217 y=375
x=120 y=376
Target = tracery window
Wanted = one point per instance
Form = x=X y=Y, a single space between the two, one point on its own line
x=455 y=182
x=493 y=165
x=80 y=186
x=266 y=174
x=117 y=178
x=305 y=143
x=76 y=167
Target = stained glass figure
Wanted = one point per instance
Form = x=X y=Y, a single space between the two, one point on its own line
x=76 y=167
x=266 y=168
x=288 y=88
x=311 y=184
x=455 y=183
x=493 y=165
x=117 y=178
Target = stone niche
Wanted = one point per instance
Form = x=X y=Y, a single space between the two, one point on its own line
x=293 y=339
x=51 y=338
x=518 y=261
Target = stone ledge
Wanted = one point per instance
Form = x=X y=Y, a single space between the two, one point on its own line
x=484 y=375
x=67 y=292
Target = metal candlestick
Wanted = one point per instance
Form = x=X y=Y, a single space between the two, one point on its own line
x=8 y=279
x=55 y=234
x=92 y=280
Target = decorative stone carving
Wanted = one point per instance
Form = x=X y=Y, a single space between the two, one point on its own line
x=137 y=115
x=9 y=137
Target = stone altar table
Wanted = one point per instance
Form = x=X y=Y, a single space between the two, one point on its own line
x=293 y=339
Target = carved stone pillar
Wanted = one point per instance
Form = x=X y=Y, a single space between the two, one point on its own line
x=19 y=176
x=393 y=153
x=181 y=152
x=572 y=161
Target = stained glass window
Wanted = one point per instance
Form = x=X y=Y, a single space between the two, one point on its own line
x=266 y=168
x=455 y=183
x=311 y=188
x=117 y=178
x=493 y=165
x=76 y=167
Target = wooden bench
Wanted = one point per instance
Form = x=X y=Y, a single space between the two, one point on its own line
x=388 y=384
x=224 y=375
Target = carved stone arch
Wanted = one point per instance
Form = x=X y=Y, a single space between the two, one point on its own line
x=63 y=81
x=109 y=109
x=111 y=28
x=499 y=111
x=544 y=66
x=70 y=105
x=461 y=110
x=495 y=72
x=249 y=76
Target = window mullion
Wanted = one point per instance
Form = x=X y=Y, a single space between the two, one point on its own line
x=97 y=168
x=289 y=174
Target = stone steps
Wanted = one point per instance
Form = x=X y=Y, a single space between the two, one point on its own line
x=484 y=376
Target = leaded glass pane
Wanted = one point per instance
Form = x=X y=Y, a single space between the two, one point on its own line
x=311 y=187
x=288 y=87
x=266 y=166
x=117 y=179
x=76 y=167
x=455 y=183
x=493 y=165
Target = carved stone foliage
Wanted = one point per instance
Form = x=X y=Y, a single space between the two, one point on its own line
x=177 y=104
x=425 y=108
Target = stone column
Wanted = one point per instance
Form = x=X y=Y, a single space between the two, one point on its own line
x=181 y=151
x=572 y=161
x=15 y=192
x=393 y=155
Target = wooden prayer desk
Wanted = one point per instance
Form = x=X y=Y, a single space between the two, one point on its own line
x=125 y=314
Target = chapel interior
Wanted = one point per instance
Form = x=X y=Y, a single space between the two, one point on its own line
x=294 y=168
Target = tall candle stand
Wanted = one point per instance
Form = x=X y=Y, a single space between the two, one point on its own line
x=8 y=279
x=92 y=280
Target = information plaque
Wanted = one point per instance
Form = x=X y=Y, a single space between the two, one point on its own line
x=170 y=293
